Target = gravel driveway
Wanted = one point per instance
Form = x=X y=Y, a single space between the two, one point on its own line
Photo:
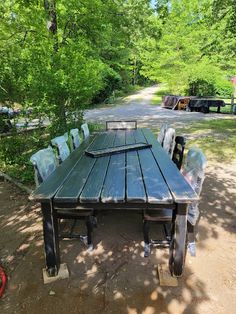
x=139 y=107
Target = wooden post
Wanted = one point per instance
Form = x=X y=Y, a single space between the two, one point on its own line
x=232 y=104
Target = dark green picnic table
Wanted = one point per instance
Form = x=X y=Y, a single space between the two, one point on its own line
x=136 y=179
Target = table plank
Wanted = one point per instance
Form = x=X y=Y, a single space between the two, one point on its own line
x=181 y=191
x=49 y=187
x=93 y=187
x=135 y=191
x=73 y=185
x=156 y=188
x=114 y=184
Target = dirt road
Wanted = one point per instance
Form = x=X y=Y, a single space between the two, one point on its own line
x=139 y=107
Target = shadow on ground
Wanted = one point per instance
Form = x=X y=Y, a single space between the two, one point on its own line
x=115 y=277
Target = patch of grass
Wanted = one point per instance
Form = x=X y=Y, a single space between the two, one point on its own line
x=157 y=99
x=117 y=98
x=217 y=138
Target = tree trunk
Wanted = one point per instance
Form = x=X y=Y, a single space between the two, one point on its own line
x=134 y=71
x=59 y=121
x=50 y=7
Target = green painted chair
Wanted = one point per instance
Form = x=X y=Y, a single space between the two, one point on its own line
x=161 y=135
x=74 y=139
x=85 y=130
x=194 y=172
x=63 y=151
x=178 y=153
x=44 y=162
x=169 y=141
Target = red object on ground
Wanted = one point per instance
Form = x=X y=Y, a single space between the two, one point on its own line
x=3 y=281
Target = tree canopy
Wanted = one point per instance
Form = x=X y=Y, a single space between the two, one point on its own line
x=58 y=56
x=193 y=48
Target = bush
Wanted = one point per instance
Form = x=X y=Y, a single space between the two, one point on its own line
x=224 y=88
x=16 y=150
x=207 y=79
x=200 y=87
x=112 y=82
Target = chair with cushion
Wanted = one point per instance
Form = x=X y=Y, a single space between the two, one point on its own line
x=60 y=142
x=74 y=139
x=194 y=172
x=44 y=162
x=85 y=130
x=169 y=141
x=121 y=125
x=178 y=153
x=162 y=133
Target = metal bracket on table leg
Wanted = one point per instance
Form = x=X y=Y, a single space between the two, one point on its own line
x=63 y=273
x=147 y=249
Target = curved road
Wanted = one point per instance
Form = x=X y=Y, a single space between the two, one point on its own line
x=138 y=107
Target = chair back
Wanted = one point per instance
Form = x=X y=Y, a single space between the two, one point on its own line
x=194 y=172
x=62 y=148
x=121 y=125
x=44 y=162
x=162 y=133
x=75 y=139
x=85 y=130
x=178 y=153
x=169 y=141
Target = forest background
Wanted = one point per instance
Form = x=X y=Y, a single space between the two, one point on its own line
x=59 y=57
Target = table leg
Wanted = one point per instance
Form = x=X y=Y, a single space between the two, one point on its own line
x=178 y=241
x=51 y=241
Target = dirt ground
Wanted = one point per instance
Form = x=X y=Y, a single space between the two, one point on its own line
x=115 y=277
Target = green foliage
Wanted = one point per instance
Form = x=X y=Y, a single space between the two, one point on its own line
x=58 y=56
x=195 y=50
x=4 y=123
x=224 y=41
x=206 y=79
x=112 y=82
x=223 y=88
x=16 y=150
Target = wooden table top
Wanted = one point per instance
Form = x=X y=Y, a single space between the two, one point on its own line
x=138 y=176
